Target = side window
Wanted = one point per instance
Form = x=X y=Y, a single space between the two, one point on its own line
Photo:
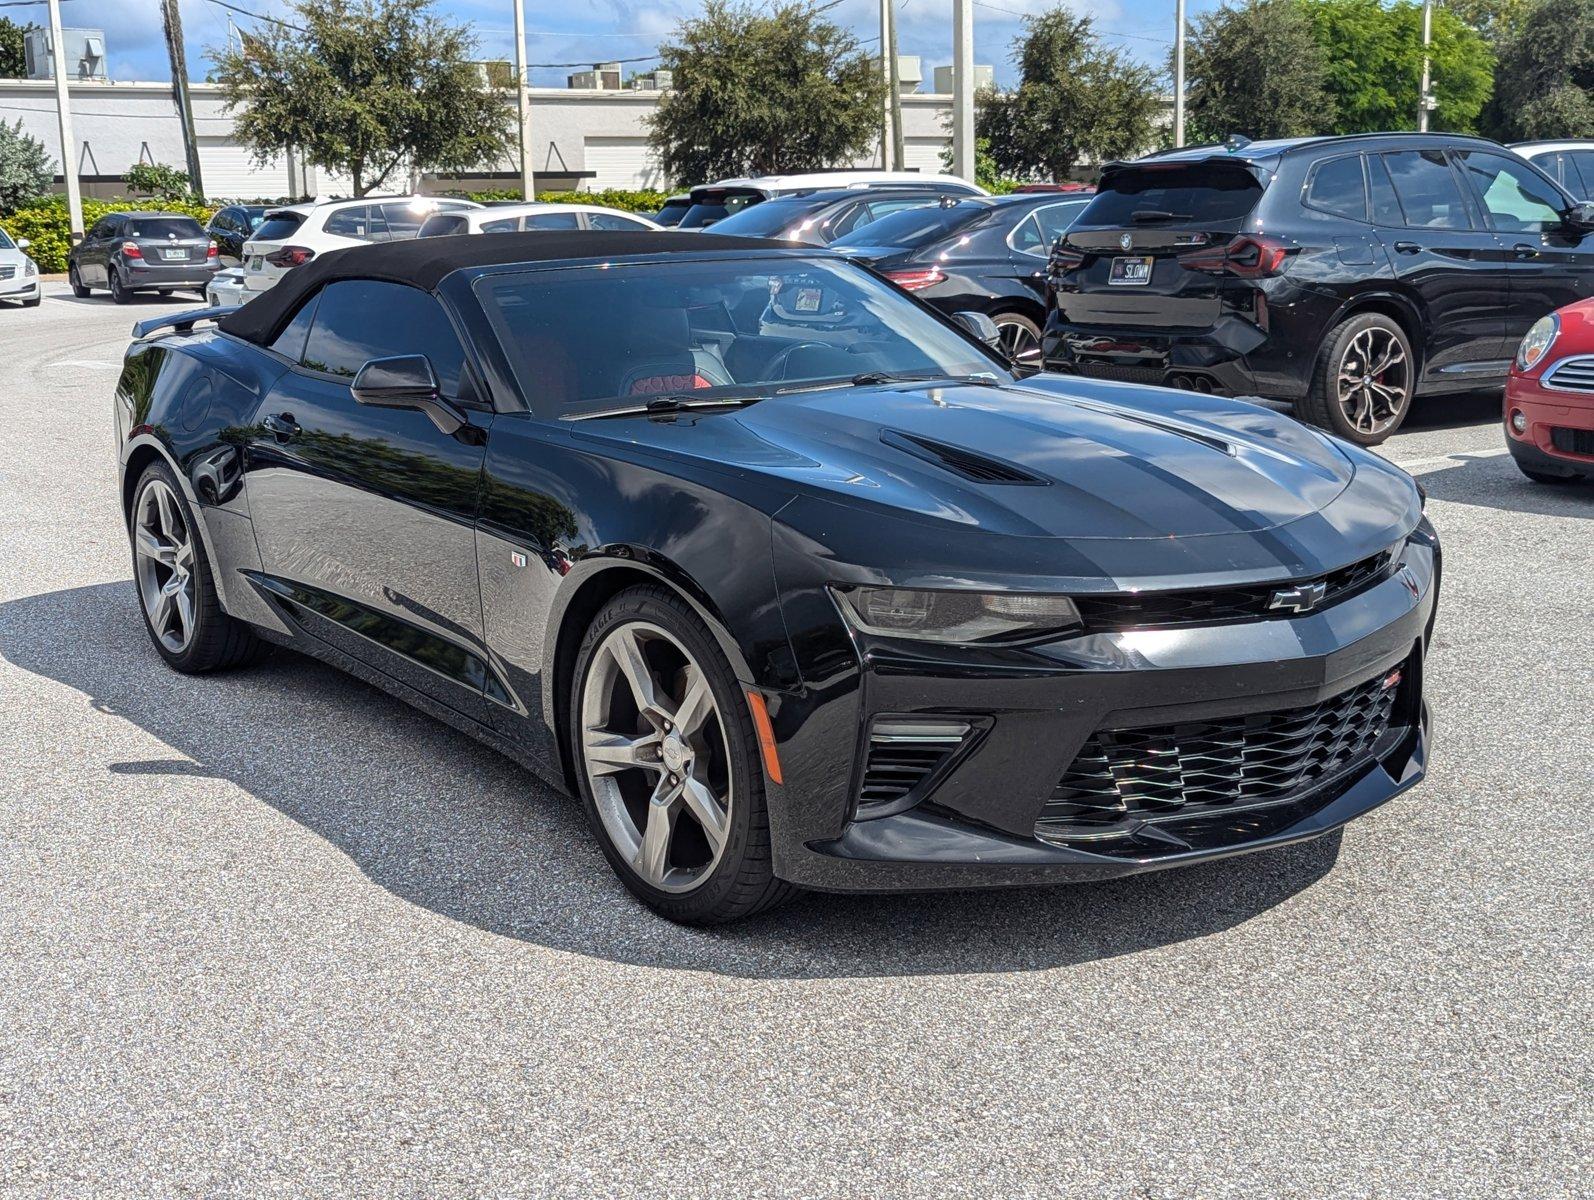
x=611 y=221
x=404 y=221
x=1026 y=238
x=1055 y=219
x=1386 y=209
x=361 y=319
x=290 y=342
x=354 y=222
x=1337 y=187
x=876 y=209
x=551 y=221
x=102 y=228
x=1580 y=173
x=1429 y=196
x=502 y=225
x=1515 y=199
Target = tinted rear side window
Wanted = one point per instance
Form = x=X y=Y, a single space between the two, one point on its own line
x=767 y=219
x=551 y=221
x=161 y=227
x=916 y=227
x=361 y=319
x=1580 y=172
x=715 y=205
x=1430 y=197
x=278 y=226
x=1337 y=187
x=1199 y=193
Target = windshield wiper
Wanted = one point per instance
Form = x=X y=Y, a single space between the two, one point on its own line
x=662 y=406
x=874 y=378
x=1159 y=214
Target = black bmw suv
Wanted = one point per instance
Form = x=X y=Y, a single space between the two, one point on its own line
x=1343 y=274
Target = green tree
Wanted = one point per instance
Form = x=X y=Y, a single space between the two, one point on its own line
x=369 y=88
x=158 y=179
x=1256 y=69
x=1545 y=84
x=760 y=91
x=1495 y=19
x=26 y=171
x=13 y=59
x=1077 y=101
x=1374 y=56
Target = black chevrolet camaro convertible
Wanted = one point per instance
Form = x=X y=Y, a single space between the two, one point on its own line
x=785 y=574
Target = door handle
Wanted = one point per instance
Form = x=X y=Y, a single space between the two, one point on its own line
x=1407 y=248
x=282 y=426
x=1524 y=250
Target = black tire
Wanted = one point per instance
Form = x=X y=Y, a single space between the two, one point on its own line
x=742 y=882
x=120 y=292
x=1322 y=406
x=219 y=641
x=33 y=303
x=76 y=281
x=164 y=291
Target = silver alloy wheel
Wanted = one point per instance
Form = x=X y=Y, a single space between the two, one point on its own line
x=163 y=554
x=1018 y=342
x=655 y=755
x=1374 y=381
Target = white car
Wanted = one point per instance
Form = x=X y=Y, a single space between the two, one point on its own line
x=292 y=235
x=19 y=274
x=507 y=218
x=1569 y=163
x=226 y=288
x=715 y=201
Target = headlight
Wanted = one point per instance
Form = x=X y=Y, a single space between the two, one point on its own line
x=1538 y=341
x=29 y=267
x=955 y=616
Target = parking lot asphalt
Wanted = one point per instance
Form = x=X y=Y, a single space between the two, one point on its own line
x=272 y=933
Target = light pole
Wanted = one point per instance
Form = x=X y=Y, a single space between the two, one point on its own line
x=1178 y=73
x=963 y=89
x=63 y=108
x=523 y=97
x=1427 y=39
x=886 y=134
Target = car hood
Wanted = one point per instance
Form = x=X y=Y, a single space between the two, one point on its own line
x=1052 y=457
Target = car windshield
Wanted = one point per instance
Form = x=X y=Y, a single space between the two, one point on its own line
x=278 y=225
x=584 y=339
x=715 y=204
x=5 y=241
x=912 y=228
x=255 y=216
x=769 y=219
x=163 y=227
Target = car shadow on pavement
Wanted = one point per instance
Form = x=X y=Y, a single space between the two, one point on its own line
x=445 y=823
x=1493 y=481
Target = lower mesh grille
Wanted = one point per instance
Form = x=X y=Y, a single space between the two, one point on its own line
x=1572 y=441
x=903 y=755
x=1126 y=374
x=1122 y=778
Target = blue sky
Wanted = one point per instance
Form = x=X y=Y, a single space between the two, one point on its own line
x=561 y=32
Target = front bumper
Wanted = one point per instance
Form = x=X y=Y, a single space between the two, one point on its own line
x=19 y=288
x=1554 y=419
x=1036 y=710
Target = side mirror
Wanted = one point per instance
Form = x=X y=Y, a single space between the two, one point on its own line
x=407 y=381
x=23 y=243
x=982 y=327
x=1580 y=216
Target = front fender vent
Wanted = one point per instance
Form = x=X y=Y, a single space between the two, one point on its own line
x=974 y=467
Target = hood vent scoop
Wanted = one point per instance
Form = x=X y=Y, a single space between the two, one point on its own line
x=964 y=463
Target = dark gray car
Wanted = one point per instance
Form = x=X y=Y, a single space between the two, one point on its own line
x=142 y=251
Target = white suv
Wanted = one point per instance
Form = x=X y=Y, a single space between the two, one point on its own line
x=1569 y=163
x=291 y=236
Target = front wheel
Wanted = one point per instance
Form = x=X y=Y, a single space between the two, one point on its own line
x=1362 y=386
x=668 y=764
x=1021 y=339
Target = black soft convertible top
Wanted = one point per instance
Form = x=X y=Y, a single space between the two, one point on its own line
x=424 y=262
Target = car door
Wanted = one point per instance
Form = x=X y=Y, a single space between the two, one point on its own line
x=1551 y=265
x=93 y=250
x=364 y=515
x=1457 y=271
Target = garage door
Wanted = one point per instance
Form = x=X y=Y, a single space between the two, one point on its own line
x=231 y=174
x=621 y=162
x=924 y=154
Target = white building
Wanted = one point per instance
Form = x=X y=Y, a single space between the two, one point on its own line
x=582 y=139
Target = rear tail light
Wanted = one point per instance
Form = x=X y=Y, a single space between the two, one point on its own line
x=131 y=250
x=290 y=256
x=1066 y=258
x=1250 y=256
x=211 y=251
x=917 y=279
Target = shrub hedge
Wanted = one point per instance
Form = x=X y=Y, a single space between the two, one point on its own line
x=45 y=223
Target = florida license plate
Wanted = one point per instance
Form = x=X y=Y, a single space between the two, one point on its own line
x=175 y=255
x=1130 y=272
x=255 y=262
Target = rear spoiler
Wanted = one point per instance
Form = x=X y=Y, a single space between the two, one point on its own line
x=182 y=322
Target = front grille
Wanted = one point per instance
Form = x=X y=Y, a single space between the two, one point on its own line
x=1572 y=375
x=1097 y=370
x=1149 y=610
x=1572 y=441
x=903 y=755
x=8 y=271
x=1122 y=778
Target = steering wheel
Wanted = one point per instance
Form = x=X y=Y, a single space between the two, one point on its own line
x=777 y=365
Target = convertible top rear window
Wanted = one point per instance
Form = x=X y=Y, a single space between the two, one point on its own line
x=582 y=339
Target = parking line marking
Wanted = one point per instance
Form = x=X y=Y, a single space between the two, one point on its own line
x=94 y=363
x=1457 y=456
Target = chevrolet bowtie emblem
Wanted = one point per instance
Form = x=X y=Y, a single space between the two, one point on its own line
x=1300 y=598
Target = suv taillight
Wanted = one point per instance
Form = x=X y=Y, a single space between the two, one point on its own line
x=1250 y=256
x=212 y=251
x=290 y=256
x=1066 y=258
x=131 y=250
x=917 y=279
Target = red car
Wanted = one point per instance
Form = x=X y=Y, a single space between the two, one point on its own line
x=1549 y=397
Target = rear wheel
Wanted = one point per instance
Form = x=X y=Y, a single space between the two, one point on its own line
x=76 y=281
x=176 y=592
x=667 y=762
x=1364 y=379
x=1021 y=339
x=120 y=292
